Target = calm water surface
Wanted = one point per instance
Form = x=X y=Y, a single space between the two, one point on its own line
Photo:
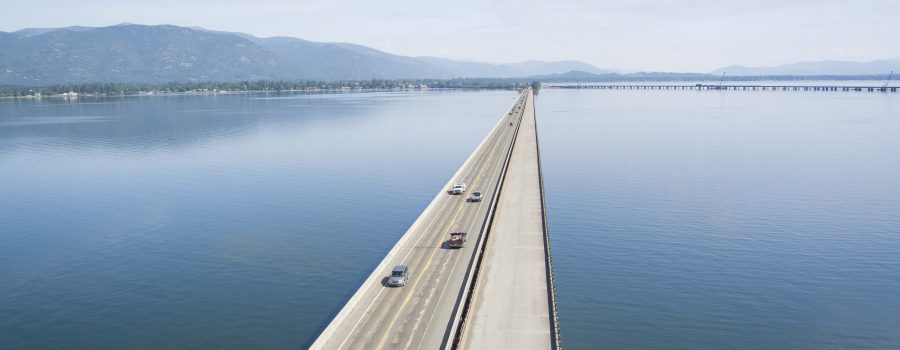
x=217 y=222
x=680 y=220
x=736 y=220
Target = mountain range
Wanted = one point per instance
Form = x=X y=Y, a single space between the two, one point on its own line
x=817 y=68
x=140 y=53
x=162 y=53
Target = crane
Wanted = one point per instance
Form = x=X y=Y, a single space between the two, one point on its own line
x=888 y=80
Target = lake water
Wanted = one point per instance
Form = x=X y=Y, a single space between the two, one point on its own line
x=679 y=219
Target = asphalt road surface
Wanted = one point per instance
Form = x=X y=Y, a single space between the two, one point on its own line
x=418 y=315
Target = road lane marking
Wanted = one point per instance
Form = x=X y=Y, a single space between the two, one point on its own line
x=429 y=261
x=498 y=134
x=455 y=261
x=411 y=249
x=413 y=287
x=501 y=136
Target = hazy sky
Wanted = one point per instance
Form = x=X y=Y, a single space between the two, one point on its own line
x=663 y=35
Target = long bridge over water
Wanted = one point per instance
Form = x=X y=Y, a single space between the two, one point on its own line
x=726 y=87
x=497 y=291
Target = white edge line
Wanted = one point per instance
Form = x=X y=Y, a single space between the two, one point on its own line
x=377 y=273
x=480 y=244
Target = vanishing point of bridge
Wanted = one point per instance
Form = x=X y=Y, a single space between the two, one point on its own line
x=496 y=291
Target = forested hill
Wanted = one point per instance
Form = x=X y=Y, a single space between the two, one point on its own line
x=148 y=54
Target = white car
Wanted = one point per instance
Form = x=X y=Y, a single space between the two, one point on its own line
x=458 y=188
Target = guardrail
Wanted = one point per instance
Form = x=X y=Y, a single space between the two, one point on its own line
x=548 y=256
x=728 y=87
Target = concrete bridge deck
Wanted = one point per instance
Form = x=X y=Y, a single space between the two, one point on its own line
x=422 y=314
x=512 y=305
x=726 y=87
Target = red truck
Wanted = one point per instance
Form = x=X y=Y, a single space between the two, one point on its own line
x=457 y=239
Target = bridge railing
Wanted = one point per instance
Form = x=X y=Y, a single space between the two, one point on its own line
x=548 y=256
x=732 y=87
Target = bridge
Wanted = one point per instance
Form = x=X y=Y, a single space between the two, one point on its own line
x=727 y=87
x=494 y=292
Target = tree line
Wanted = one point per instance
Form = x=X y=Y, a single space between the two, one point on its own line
x=121 y=89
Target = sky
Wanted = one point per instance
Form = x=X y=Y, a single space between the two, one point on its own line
x=641 y=35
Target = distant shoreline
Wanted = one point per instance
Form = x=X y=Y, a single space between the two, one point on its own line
x=226 y=92
x=133 y=89
x=95 y=89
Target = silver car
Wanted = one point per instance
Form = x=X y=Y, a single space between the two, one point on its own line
x=476 y=196
x=399 y=276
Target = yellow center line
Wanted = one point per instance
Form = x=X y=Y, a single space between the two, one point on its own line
x=493 y=172
x=409 y=295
